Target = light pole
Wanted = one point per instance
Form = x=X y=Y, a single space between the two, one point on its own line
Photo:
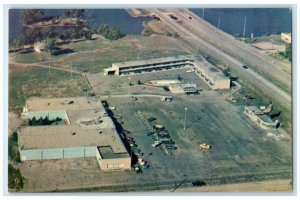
x=185 y=109
x=129 y=78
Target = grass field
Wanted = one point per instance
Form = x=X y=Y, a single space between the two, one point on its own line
x=36 y=82
x=90 y=56
x=94 y=55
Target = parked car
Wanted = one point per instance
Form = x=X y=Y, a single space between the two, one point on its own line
x=172 y=147
x=132 y=145
x=137 y=169
x=148 y=133
x=168 y=142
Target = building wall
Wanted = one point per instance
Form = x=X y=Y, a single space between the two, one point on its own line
x=44 y=154
x=261 y=123
x=286 y=37
x=113 y=164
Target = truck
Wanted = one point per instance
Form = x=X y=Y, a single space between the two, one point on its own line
x=167 y=98
x=165 y=139
x=204 y=146
x=159 y=127
x=156 y=143
x=111 y=107
x=133 y=98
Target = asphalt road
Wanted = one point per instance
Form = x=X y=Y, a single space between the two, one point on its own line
x=220 y=39
x=261 y=83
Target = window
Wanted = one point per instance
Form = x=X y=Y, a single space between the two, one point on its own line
x=115 y=166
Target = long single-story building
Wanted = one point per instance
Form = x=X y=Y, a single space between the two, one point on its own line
x=87 y=130
x=261 y=119
x=149 y=65
x=206 y=71
x=214 y=77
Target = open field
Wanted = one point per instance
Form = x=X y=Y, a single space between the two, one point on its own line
x=94 y=55
x=263 y=186
x=27 y=82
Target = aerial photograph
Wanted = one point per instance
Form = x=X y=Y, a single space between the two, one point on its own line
x=150 y=100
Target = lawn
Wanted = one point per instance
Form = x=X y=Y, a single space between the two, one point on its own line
x=36 y=82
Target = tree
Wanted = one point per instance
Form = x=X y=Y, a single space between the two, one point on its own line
x=288 y=51
x=15 y=179
x=32 y=122
x=139 y=82
x=13 y=151
x=50 y=44
x=30 y=16
x=110 y=33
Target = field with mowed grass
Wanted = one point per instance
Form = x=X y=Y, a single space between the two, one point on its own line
x=94 y=55
x=26 y=82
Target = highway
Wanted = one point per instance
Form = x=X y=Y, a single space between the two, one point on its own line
x=265 y=86
x=280 y=71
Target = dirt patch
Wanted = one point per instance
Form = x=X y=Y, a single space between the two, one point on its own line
x=13 y=122
x=264 y=186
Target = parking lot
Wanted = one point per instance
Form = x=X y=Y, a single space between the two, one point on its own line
x=115 y=85
x=238 y=146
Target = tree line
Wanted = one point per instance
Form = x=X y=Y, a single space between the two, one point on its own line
x=51 y=35
x=30 y=35
x=43 y=121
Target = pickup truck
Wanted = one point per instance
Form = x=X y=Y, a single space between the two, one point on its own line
x=156 y=143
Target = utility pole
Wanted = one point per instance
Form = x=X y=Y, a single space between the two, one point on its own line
x=49 y=69
x=219 y=23
x=203 y=9
x=129 y=78
x=245 y=21
x=185 y=109
x=71 y=70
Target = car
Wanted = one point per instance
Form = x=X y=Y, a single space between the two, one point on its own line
x=132 y=145
x=245 y=67
x=126 y=132
x=138 y=154
x=145 y=166
x=170 y=147
x=168 y=142
x=129 y=138
x=156 y=143
x=148 y=133
x=198 y=183
x=136 y=150
x=151 y=119
x=137 y=169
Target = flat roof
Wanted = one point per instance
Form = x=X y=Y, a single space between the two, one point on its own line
x=52 y=104
x=151 y=61
x=89 y=126
x=65 y=136
x=211 y=70
x=107 y=152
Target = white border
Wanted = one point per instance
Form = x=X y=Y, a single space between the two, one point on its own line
x=154 y=3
